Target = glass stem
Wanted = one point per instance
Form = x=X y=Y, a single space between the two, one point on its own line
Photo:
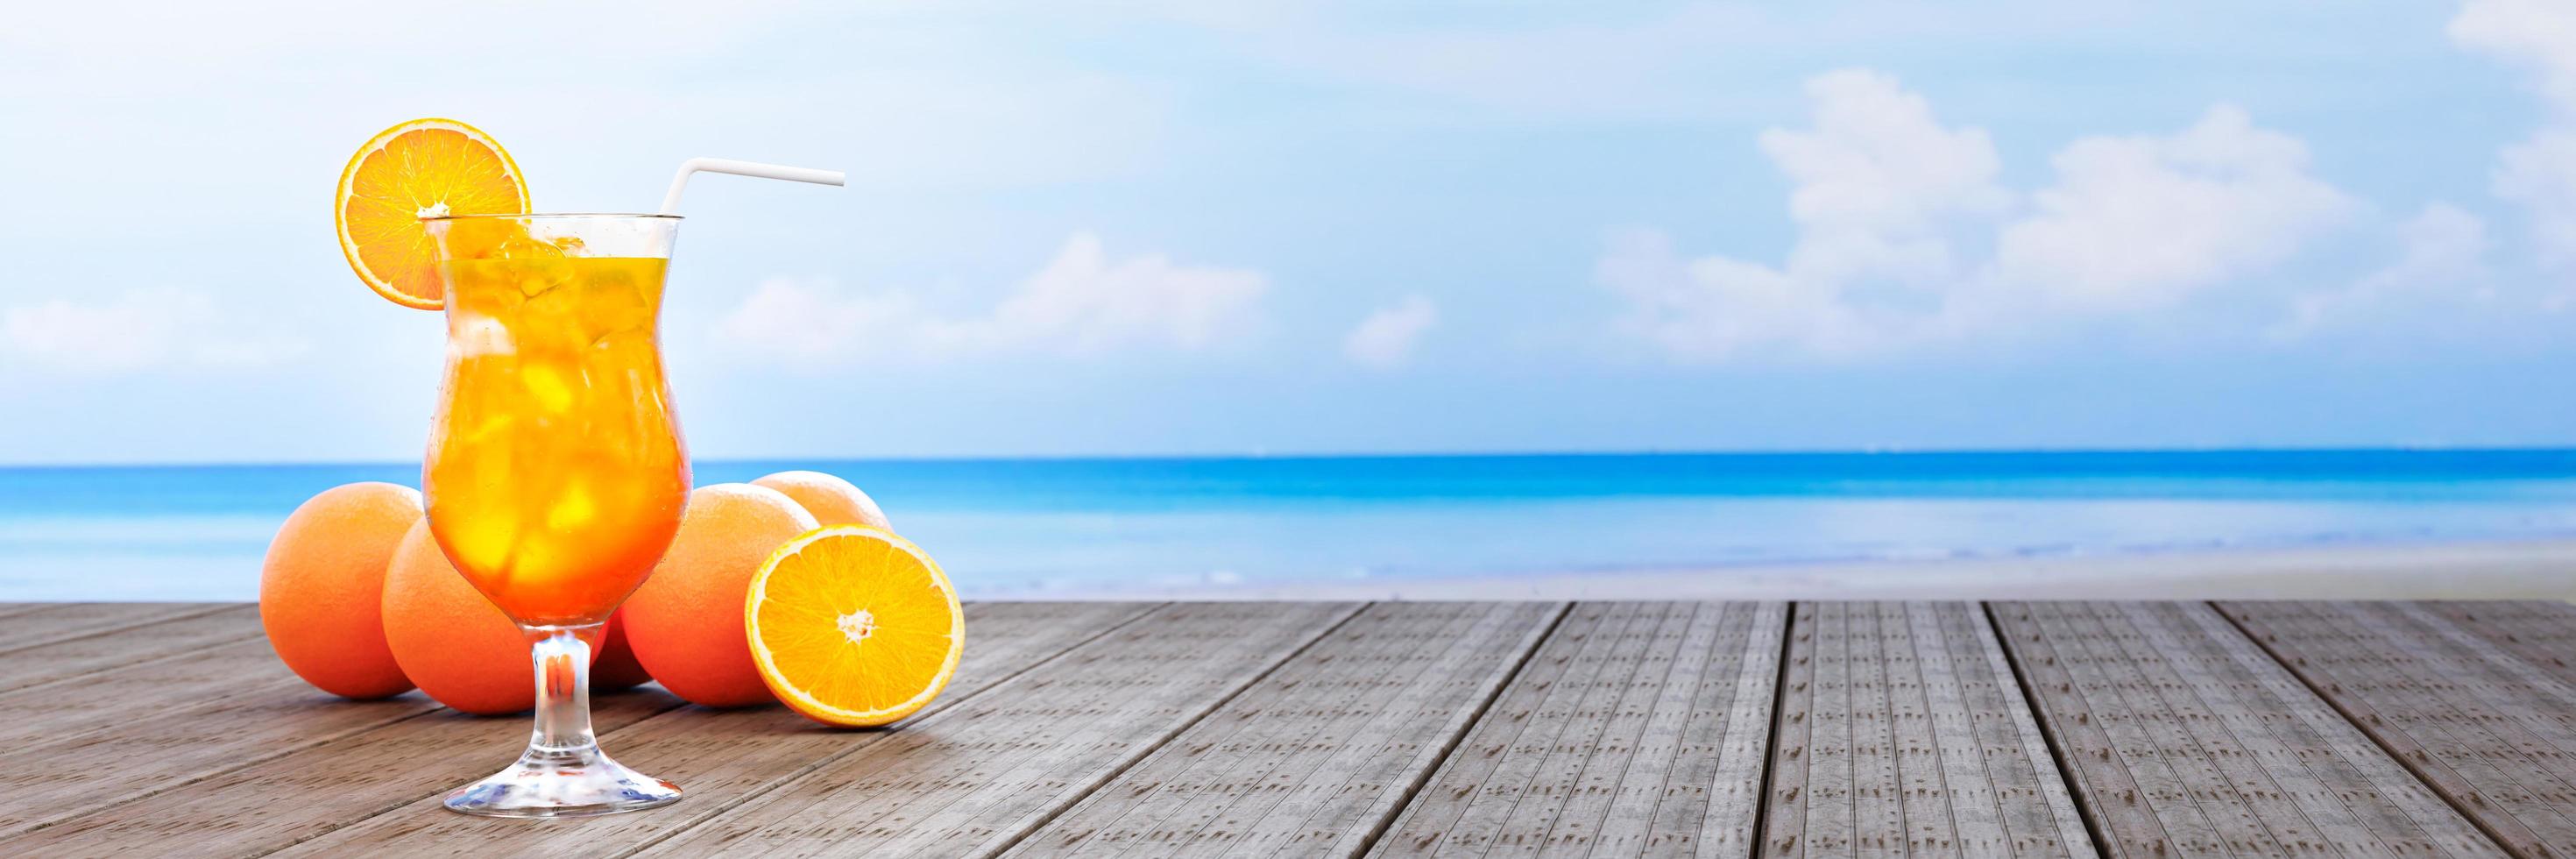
x=563 y=693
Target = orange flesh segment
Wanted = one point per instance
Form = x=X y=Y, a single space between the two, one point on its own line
x=424 y=167
x=854 y=626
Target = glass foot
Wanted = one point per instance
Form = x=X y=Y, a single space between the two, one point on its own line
x=579 y=782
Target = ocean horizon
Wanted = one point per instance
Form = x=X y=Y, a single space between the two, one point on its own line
x=1055 y=526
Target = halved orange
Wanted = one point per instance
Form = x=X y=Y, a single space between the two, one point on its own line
x=853 y=626
x=422 y=168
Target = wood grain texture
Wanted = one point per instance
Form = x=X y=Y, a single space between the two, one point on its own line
x=2490 y=730
x=1600 y=729
x=2542 y=633
x=185 y=635
x=2183 y=738
x=1314 y=759
x=278 y=801
x=978 y=777
x=719 y=757
x=1662 y=708
x=50 y=623
x=124 y=732
x=1903 y=733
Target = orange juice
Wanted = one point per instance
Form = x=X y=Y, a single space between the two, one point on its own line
x=555 y=476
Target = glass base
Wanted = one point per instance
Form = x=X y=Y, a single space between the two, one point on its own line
x=580 y=782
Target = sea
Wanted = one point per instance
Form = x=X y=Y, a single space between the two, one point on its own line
x=1034 y=528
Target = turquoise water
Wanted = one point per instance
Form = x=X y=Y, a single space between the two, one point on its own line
x=1040 y=527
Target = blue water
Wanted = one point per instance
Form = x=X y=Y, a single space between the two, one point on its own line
x=1040 y=527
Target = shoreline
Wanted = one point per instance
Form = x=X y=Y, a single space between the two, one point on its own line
x=2534 y=569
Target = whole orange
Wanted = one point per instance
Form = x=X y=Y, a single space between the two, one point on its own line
x=833 y=501
x=613 y=665
x=686 y=622
x=322 y=581
x=452 y=641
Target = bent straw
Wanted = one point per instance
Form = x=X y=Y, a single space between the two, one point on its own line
x=680 y=181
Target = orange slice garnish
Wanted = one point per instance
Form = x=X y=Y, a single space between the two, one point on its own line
x=422 y=168
x=853 y=626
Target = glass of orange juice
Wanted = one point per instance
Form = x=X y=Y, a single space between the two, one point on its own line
x=556 y=476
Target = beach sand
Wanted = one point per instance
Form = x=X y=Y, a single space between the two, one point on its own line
x=2520 y=570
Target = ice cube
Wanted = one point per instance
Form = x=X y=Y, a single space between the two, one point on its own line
x=478 y=336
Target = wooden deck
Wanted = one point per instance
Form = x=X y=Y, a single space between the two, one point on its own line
x=1400 y=729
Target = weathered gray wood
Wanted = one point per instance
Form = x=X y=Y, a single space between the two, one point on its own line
x=46 y=663
x=1524 y=760
x=308 y=791
x=2542 y=633
x=2184 y=738
x=1316 y=757
x=389 y=780
x=127 y=731
x=1912 y=705
x=1629 y=729
x=2037 y=808
x=38 y=717
x=2487 y=728
x=62 y=621
x=981 y=775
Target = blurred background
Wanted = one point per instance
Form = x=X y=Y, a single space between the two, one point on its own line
x=1109 y=278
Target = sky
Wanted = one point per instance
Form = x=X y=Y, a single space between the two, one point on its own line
x=1153 y=228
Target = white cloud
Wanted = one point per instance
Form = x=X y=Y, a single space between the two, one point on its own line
x=1713 y=308
x=1877 y=179
x=2142 y=221
x=2539 y=173
x=2538 y=33
x=1878 y=161
x=1882 y=191
x=2441 y=258
x=1081 y=303
x=1386 y=338
x=140 y=330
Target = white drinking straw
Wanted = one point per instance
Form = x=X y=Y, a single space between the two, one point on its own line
x=680 y=181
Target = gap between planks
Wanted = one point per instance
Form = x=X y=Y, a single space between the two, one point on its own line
x=2066 y=775
x=1177 y=730
x=1377 y=831
x=2342 y=707
x=396 y=804
x=790 y=777
x=2011 y=655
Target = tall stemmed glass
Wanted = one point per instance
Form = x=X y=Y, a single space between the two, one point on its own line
x=555 y=476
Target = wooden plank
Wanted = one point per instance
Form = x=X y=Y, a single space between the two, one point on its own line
x=35 y=718
x=308 y=791
x=1629 y=662
x=2490 y=730
x=129 y=731
x=987 y=772
x=2184 y=738
x=1317 y=756
x=1127 y=672
x=1903 y=732
x=1703 y=674
x=46 y=663
x=390 y=780
x=13 y=609
x=2542 y=633
x=1793 y=739
x=1622 y=783
x=2037 y=809
x=63 y=621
